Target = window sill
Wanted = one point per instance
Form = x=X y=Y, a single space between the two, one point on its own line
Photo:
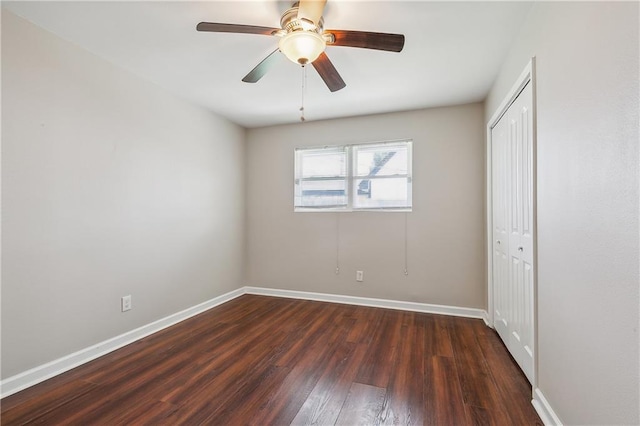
x=344 y=210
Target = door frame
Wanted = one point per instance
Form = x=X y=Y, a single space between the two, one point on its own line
x=527 y=75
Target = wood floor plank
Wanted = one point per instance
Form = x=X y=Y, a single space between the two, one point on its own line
x=362 y=405
x=437 y=337
x=324 y=403
x=244 y=362
x=444 y=404
x=510 y=380
x=405 y=392
x=311 y=329
x=286 y=400
x=306 y=370
x=249 y=397
x=260 y=360
x=366 y=322
x=62 y=380
x=32 y=409
x=254 y=382
x=152 y=414
x=377 y=367
x=477 y=384
x=112 y=401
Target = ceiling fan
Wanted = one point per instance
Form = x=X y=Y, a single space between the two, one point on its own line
x=303 y=40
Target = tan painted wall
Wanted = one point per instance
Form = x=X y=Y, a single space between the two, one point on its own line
x=110 y=187
x=297 y=251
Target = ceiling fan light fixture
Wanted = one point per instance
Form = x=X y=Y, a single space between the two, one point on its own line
x=302 y=47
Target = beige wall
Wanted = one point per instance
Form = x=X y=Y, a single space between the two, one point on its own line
x=110 y=186
x=297 y=251
x=588 y=283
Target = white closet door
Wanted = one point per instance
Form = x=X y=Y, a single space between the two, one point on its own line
x=500 y=174
x=512 y=189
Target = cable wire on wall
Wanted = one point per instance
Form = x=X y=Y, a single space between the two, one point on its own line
x=406 y=246
x=337 y=243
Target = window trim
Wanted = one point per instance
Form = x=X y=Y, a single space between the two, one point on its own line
x=350 y=178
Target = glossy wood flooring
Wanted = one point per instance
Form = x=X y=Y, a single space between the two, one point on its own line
x=271 y=361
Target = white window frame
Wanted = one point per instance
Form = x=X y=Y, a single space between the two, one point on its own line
x=351 y=178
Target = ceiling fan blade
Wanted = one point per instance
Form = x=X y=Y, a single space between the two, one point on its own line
x=235 y=28
x=311 y=10
x=261 y=69
x=367 y=40
x=328 y=73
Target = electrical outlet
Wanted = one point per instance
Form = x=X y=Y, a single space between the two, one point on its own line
x=125 y=303
x=359 y=276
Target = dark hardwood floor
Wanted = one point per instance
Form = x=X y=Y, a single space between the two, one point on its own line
x=271 y=361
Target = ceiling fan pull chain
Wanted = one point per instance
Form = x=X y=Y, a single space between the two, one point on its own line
x=304 y=81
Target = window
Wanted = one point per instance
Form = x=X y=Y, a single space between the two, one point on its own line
x=321 y=178
x=354 y=177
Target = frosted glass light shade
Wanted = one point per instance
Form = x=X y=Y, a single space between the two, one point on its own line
x=302 y=47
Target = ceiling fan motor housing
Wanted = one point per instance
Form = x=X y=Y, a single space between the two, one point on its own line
x=290 y=22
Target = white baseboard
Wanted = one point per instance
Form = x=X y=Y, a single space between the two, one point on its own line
x=544 y=410
x=485 y=318
x=366 y=301
x=46 y=371
x=51 y=369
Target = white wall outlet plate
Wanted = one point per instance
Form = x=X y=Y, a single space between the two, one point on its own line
x=359 y=276
x=125 y=303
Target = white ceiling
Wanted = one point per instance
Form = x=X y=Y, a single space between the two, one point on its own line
x=452 y=53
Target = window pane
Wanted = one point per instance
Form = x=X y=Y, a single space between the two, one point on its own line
x=381 y=160
x=321 y=177
x=323 y=163
x=321 y=193
x=382 y=193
